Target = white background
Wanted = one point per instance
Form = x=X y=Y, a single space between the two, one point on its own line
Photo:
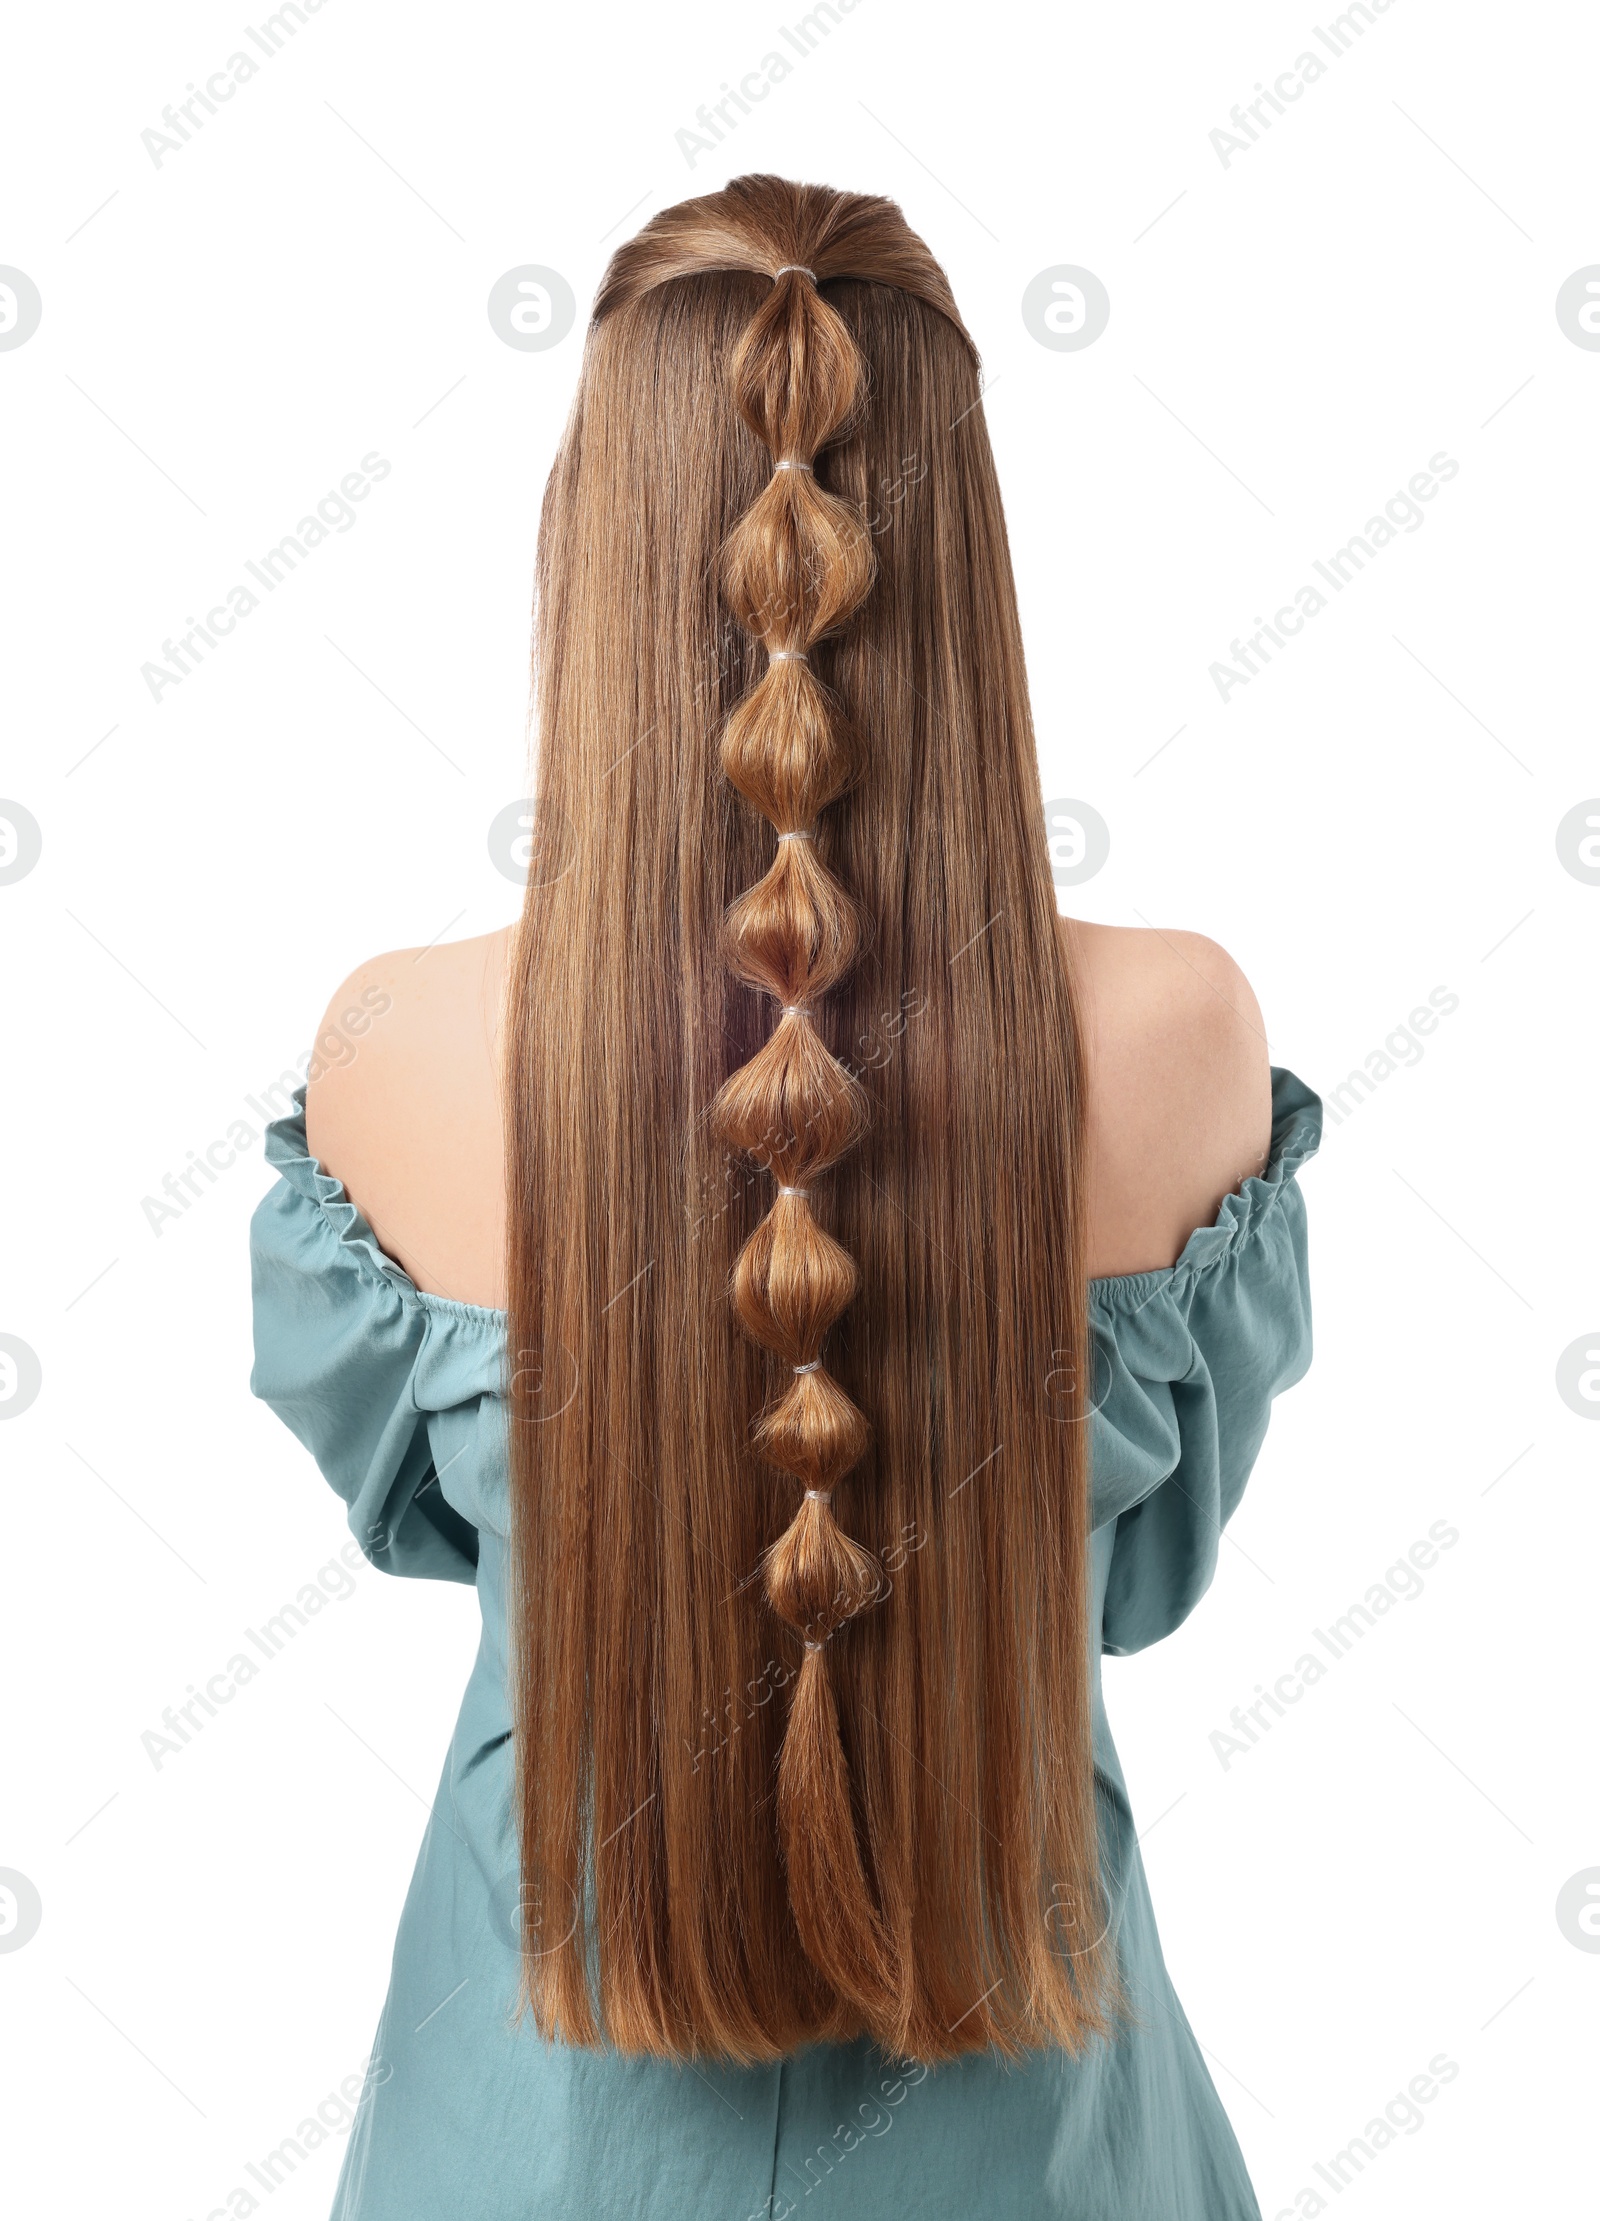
x=1292 y=336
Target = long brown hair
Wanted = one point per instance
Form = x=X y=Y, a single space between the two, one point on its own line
x=797 y=1312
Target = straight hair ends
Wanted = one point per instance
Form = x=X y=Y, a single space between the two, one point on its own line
x=799 y=1432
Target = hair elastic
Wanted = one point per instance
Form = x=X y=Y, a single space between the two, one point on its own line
x=807 y=834
x=794 y=1191
x=790 y=462
x=810 y=1645
x=814 y=1367
x=787 y=655
x=796 y=1010
x=821 y=1495
x=800 y=266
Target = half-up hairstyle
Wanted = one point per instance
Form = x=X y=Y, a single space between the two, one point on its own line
x=798 y=1319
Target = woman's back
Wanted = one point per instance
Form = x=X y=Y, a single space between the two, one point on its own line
x=1178 y=1100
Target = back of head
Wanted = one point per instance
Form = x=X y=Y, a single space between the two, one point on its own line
x=799 y=1424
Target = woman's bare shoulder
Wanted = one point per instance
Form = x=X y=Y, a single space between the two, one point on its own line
x=1178 y=1088
x=407 y=1114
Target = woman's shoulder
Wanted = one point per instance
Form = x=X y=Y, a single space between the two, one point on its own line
x=1178 y=1087
x=407 y=1114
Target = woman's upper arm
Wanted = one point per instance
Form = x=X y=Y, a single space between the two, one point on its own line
x=1178 y=1089
x=407 y=1114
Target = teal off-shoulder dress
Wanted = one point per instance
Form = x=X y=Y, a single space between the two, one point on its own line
x=468 y=2115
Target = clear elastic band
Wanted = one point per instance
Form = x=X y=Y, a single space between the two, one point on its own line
x=794 y=1191
x=808 y=835
x=814 y=1367
x=788 y=266
x=810 y=1645
x=791 y=462
x=787 y=655
x=819 y=1495
x=796 y=1010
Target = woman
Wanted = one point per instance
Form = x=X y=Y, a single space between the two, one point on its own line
x=772 y=1275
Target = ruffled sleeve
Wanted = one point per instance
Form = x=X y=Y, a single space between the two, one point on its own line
x=352 y=1357
x=1187 y=1362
